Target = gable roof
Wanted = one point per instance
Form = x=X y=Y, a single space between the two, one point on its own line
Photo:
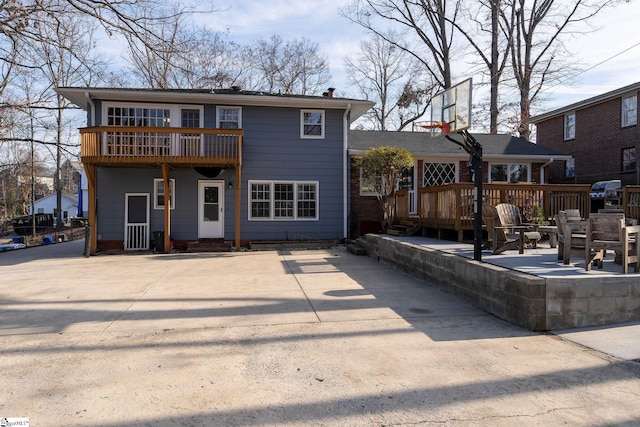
x=617 y=93
x=81 y=96
x=422 y=144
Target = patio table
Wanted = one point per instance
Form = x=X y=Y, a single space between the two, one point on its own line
x=552 y=231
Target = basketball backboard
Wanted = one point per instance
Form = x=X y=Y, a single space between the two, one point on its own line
x=453 y=107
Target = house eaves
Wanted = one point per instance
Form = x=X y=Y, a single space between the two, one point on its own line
x=80 y=96
x=586 y=103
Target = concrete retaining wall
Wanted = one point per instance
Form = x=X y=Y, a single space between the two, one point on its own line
x=578 y=302
x=510 y=295
x=535 y=303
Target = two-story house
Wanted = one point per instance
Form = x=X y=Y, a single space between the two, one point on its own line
x=600 y=134
x=227 y=164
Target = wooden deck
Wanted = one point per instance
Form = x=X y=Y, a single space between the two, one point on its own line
x=450 y=207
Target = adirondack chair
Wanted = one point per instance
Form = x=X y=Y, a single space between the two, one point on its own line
x=571 y=233
x=510 y=217
x=608 y=231
x=503 y=237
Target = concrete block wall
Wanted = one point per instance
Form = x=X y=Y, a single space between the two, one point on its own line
x=575 y=303
x=515 y=297
x=535 y=303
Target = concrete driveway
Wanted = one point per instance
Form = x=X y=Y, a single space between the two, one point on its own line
x=318 y=338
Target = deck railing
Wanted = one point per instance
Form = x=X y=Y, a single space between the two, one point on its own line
x=113 y=145
x=451 y=206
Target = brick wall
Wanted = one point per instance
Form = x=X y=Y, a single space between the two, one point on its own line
x=366 y=213
x=597 y=147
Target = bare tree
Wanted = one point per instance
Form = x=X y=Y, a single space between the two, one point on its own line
x=537 y=49
x=428 y=20
x=198 y=58
x=488 y=29
x=379 y=73
x=295 y=66
x=22 y=21
x=64 y=48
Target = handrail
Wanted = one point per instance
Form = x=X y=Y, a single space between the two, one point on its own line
x=143 y=145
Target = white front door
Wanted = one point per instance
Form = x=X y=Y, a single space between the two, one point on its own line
x=210 y=209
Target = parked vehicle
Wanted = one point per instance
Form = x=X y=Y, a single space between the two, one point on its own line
x=606 y=189
x=23 y=225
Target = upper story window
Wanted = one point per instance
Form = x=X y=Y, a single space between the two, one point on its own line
x=147 y=115
x=190 y=118
x=629 y=110
x=229 y=117
x=512 y=173
x=569 y=126
x=138 y=116
x=312 y=124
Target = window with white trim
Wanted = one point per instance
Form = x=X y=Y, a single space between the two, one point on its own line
x=569 y=126
x=312 y=124
x=283 y=200
x=512 y=173
x=138 y=116
x=570 y=168
x=229 y=117
x=158 y=193
x=147 y=115
x=629 y=110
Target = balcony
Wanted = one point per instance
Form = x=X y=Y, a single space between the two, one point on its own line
x=149 y=146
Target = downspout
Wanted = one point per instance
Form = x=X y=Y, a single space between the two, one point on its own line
x=345 y=169
x=542 y=170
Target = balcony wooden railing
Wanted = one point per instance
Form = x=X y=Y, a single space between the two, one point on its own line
x=115 y=145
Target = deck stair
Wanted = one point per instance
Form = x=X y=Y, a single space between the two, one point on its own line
x=405 y=228
x=209 y=245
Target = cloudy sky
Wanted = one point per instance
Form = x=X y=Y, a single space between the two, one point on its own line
x=615 y=34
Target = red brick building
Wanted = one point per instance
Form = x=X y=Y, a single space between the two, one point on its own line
x=600 y=134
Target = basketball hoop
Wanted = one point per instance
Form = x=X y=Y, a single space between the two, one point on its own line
x=433 y=125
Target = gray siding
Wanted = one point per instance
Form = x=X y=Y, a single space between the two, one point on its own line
x=272 y=150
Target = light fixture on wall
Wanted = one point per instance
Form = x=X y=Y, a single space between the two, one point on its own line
x=230 y=185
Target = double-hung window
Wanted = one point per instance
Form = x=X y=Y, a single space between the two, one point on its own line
x=312 y=124
x=229 y=117
x=629 y=110
x=283 y=200
x=569 y=126
x=158 y=193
